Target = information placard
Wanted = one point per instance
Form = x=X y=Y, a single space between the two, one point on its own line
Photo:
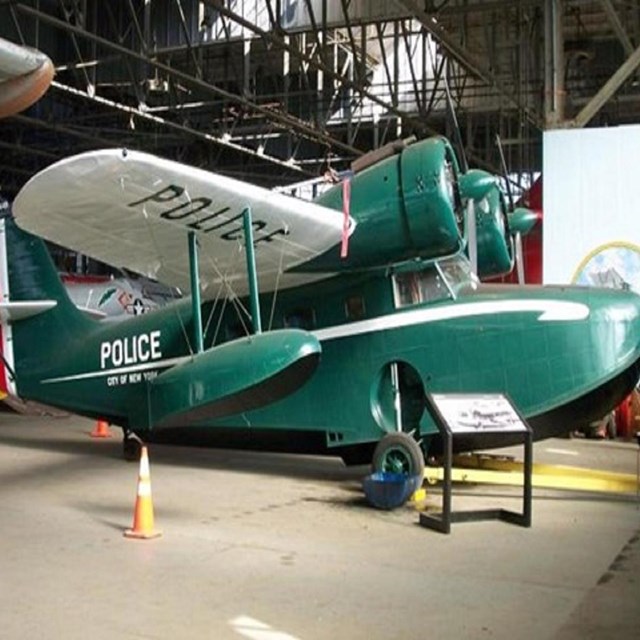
x=473 y=413
x=491 y=419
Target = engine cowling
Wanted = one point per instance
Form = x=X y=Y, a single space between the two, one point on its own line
x=495 y=225
x=493 y=237
x=405 y=206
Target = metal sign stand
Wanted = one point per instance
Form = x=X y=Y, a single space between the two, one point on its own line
x=442 y=521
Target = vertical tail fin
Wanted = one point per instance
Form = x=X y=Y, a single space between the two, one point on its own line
x=37 y=318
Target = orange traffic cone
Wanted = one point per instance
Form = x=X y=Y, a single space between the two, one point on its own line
x=101 y=430
x=143 y=515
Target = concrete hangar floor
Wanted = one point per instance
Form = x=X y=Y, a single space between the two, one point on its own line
x=278 y=547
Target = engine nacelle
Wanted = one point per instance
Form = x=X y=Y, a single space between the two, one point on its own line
x=405 y=206
x=493 y=237
x=495 y=226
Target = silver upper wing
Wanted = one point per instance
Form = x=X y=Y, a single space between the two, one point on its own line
x=135 y=210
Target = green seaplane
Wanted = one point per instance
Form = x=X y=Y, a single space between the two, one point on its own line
x=313 y=327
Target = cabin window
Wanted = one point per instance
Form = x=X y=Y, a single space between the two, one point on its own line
x=439 y=280
x=301 y=318
x=354 y=307
x=416 y=287
x=457 y=274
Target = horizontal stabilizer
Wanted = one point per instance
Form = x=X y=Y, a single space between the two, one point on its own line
x=235 y=377
x=96 y=314
x=13 y=311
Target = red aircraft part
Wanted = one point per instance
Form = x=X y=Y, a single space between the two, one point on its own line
x=81 y=278
x=16 y=94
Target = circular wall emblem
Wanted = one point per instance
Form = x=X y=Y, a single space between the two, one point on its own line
x=615 y=265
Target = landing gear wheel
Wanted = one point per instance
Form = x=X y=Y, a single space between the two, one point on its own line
x=398 y=471
x=131 y=448
x=398 y=453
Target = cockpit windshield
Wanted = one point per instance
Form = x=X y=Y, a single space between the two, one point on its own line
x=458 y=275
x=440 y=280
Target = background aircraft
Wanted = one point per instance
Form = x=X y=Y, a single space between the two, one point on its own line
x=25 y=75
x=116 y=296
x=364 y=310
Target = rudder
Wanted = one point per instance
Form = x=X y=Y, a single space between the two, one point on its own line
x=37 y=317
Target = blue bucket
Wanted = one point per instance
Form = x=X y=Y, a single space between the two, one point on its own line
x=390 y=490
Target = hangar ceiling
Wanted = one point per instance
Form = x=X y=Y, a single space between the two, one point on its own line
x=276 y=91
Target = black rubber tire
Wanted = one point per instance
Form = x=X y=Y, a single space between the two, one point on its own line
x=131 y=449
x=398 y=453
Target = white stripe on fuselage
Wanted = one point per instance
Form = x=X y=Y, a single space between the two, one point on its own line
x=550 y=310
x=156 y=364
x=7 y=333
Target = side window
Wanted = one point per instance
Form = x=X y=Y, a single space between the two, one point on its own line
x=458 y=274
x=416 y=287
x=354 y=307
x=301 y=318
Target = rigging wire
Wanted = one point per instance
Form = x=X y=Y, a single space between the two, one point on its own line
x=276 y=289
x=231 y=296
x=159 y=256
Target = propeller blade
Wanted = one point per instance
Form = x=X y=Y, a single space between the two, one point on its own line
x=464 y=165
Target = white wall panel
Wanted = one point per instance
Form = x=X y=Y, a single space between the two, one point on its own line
x=591 y=196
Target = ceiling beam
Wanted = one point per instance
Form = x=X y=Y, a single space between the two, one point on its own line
x=272 y=37
x=619 y=30
x=465 y=7
x=29 y=150
x=608 y=89
x=280 y=118
x=59 y=128
x=466 y=59
x=201 y=135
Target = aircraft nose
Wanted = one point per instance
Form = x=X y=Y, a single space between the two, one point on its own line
x=588 y=363
x=615 y=328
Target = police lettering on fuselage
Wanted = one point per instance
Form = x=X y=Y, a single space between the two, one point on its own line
x=130 y=350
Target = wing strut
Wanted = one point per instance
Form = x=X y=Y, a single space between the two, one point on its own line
x=251 y=271
x=195 y=291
